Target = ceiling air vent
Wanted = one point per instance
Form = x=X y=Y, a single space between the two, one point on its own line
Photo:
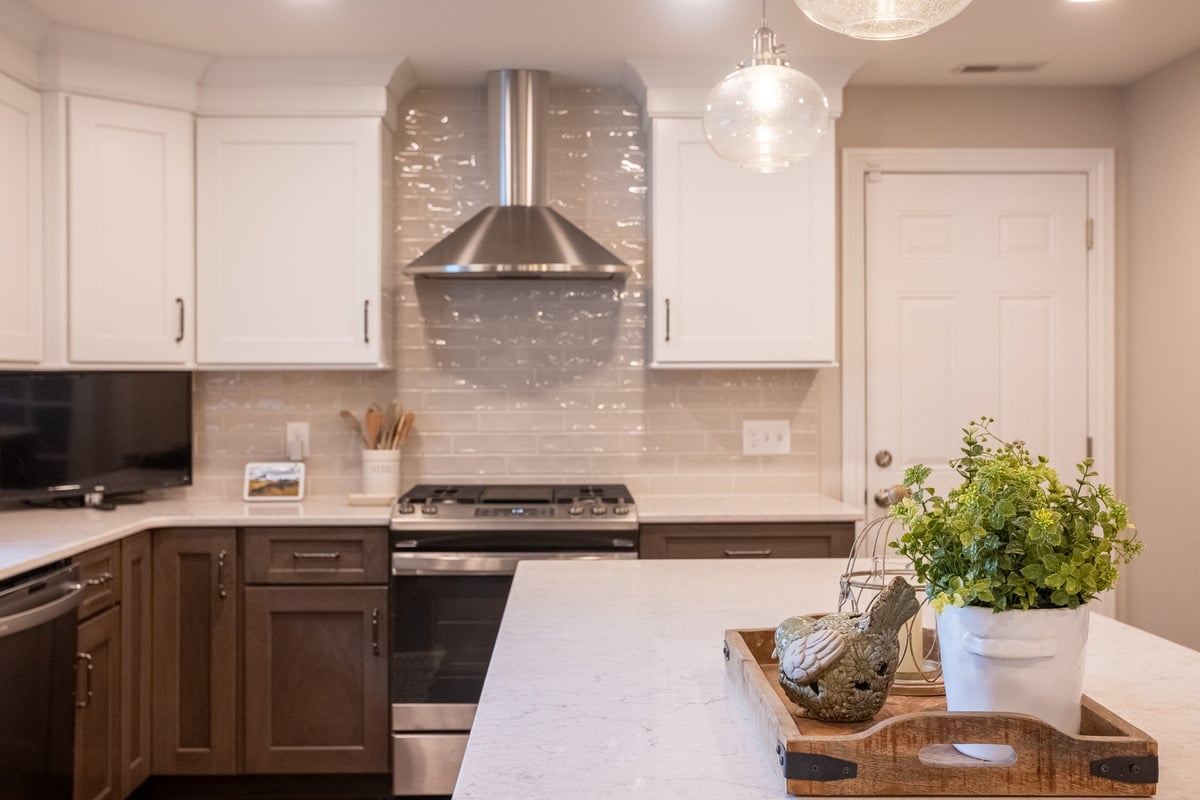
x=1030 y=66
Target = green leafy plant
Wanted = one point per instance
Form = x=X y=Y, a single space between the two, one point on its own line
x=1012 y=535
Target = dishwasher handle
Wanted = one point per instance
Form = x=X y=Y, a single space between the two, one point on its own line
x=39 y=615
x=487 y=563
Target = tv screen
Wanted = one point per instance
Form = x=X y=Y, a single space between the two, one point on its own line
x=72 y=433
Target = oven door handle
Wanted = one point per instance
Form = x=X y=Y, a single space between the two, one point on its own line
x=485 y=563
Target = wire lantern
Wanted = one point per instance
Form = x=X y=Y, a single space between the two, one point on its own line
x=872 y=565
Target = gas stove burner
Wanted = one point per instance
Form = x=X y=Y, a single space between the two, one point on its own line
x=515 y=506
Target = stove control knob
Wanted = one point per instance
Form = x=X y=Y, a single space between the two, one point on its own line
x=621 y=509
x=405 y=508
x=599 y=509
x=575 y=510
x=429 y=508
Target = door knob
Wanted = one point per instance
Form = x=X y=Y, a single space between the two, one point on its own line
x=883 y=458
x=891 y=495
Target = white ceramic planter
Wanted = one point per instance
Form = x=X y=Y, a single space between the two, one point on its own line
x=1028 y=662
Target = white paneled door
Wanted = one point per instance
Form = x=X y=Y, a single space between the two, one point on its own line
x=977 y=304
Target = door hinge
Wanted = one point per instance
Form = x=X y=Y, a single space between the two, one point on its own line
x=1089 y=447
x=1091 y=233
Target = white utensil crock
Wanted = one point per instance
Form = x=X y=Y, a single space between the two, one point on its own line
x=1021 y=661
x=381 y=472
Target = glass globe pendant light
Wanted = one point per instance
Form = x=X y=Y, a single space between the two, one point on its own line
x=881 y=19
x=765 y=115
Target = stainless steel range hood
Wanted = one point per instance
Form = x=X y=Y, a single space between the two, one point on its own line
x=520 y=236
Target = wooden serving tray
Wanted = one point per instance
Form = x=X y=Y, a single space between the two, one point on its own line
x=906 y=750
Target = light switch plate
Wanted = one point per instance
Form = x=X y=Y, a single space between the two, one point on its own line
x=766 y=437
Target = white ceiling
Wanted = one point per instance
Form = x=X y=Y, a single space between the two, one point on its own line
x=454 y=42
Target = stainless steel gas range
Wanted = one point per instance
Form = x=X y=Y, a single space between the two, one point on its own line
x=454 y=551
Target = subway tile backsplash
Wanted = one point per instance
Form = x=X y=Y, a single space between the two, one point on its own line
x=521 y=380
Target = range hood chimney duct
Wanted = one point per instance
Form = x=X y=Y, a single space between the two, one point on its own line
x=520 y=237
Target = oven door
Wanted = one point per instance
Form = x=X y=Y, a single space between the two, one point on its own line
x=446 y=611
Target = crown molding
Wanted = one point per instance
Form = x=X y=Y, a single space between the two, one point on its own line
x=81 y=61
x=679 y=88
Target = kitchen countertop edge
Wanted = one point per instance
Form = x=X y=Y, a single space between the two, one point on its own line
x=31 y=538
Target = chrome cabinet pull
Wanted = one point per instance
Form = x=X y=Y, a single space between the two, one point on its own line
x=99 y=580
x=375 y=630
x=89 y=667
x=668 y=302
x=179 y=303
x=748 y=553
x=366 y=319
x=221 y=593
x=327 y=556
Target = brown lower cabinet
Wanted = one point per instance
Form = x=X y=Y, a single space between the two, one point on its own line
x=285 y=677
x=316 y=679
x=136 y=642
x=747 y=540
x=98 y=708
x=195 y=652
x=112 y=717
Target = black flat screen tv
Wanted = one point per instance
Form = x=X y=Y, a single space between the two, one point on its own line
x=65 y=434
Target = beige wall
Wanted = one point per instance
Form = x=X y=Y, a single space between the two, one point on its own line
x=1163 y=346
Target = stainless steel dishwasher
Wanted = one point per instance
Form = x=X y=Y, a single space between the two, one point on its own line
x=38 y=615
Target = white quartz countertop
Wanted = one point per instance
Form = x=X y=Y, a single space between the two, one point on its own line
x=756 y=508
x=30 y=538
x=608 y=682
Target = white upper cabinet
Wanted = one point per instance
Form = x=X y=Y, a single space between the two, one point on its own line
x=292 y=241
x=130 y=233
x=743 y=262
x=20 y=224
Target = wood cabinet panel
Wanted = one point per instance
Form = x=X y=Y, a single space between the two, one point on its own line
x=100 y=574
x=316 y=679
x=98 y=709
x=779 y=310
x=195 y=629
x=130 y=232
x=316 y=555
x=21 y=233
x=747 y=540
x=136 y=642
x=293 y=225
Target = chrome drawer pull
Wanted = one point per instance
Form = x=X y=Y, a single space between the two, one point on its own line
x=89 y=666
x=221 y=556
x=99 y=580
x=375 y=630
x=325 y=556
x=748 y=553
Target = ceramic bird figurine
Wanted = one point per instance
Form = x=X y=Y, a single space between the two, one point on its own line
x=839 y=667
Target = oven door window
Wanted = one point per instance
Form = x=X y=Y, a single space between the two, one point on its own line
x=443 y=632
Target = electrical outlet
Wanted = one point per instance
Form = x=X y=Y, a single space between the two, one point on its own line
x=766 y=437
x=295 y=442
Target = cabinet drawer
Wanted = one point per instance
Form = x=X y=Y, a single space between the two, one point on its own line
x=100 y=574
x=316 y=555
x=757 y=540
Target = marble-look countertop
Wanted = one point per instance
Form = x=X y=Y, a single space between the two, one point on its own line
x=33 y=537
x=748 y=508
x=30 y=538
x=608 y=682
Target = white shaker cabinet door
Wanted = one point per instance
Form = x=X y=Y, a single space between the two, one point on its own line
x=131 y=233
x=290 y=247
x=21 y=227
x=743 y=262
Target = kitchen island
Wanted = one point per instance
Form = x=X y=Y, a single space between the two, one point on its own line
x=608 y=682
